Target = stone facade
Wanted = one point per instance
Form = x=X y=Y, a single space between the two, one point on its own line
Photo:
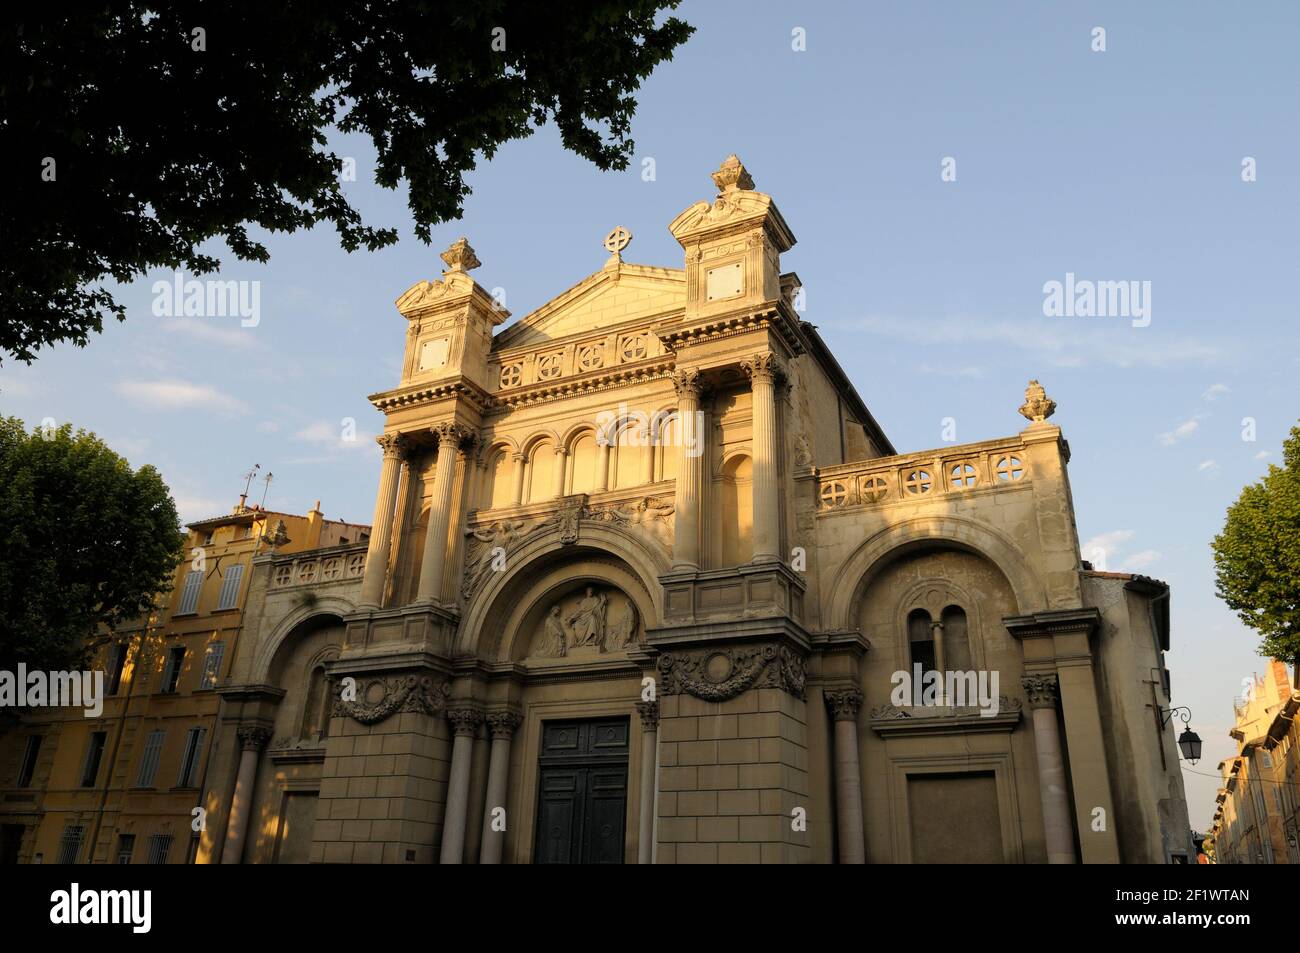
x=643 y=571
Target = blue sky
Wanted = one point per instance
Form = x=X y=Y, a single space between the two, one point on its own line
x=1116 y=165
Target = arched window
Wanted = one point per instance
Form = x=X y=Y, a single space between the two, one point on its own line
x=583 y=458
x=734 y=542
x=956 y=641
x=920 y=638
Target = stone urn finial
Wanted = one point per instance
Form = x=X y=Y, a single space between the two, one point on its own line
x=460 y=256
x=1037 y=406
x=732 y=175
x=279 y=535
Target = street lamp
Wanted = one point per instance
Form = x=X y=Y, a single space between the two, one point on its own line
x=1189 y=742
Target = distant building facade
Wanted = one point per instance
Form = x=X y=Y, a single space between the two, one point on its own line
x=1256 y=818
x=123 y=787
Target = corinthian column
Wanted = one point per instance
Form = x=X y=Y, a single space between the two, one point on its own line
x=686 y=536
x=502 y=724
x=381 y=533
x=844 y=706
x=252 y=739
x=435 y=543
x=1042 y=691
x=464 y=722
x=764 y=371
x=649 y=712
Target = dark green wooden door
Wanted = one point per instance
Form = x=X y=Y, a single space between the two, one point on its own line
x=582 y=792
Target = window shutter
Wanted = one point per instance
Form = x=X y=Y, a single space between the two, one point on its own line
x=190 y=594
x=212 y=665
x=190 y=762
x=230 y=587
x=149 y=760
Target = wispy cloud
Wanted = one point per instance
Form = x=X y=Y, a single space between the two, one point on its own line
x=228 y=333
x=1140 y=560
x=335 y=436
x=179 y=395
x=1207 y=465
x=1052 y=342
x=1106 y=551
x=1215 y=391
x=1181 y=432
x=1263 y=455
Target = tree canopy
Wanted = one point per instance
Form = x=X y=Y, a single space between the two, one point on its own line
x=1257 y=556
x=84 y=541
x=136 y=132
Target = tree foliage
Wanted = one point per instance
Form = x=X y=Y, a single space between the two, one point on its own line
x=1257 y=556
x=137 y=132
x=84 y=540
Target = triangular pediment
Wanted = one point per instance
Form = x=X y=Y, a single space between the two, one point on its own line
x=612 y=296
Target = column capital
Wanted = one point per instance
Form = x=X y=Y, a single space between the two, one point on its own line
x=844 y=704
x=394 y=445
x=502 y=724
x=457 y=434
x=464 y=721
x=689 y=382
x=649 y=712
x=561 y=451
x=765 y=367
x=1041 y=690
x=253 y=737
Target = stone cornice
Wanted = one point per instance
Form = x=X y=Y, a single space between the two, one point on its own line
x=1054 y=622
x=414 y=395
x=683 y=334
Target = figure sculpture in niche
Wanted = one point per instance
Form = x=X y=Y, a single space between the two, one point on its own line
x=588 y=620
x=557 y=640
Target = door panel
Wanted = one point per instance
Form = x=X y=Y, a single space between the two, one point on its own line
x=582 y=792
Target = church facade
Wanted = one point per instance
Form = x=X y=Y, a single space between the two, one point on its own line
x=647 y=583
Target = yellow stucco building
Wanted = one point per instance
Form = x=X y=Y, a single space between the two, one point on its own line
x=1257 y=818
x=123 y=787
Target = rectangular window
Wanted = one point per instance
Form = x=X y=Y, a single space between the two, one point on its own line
x=70 y=844
x=190 y=594
x=212 y=665
x=125 y=848
x=160 y=845
x=149 y=759
x=94 y=754
x=189 y=773
x=172 y=671
x=229 y=597
x=28 y=769
x=113 y=668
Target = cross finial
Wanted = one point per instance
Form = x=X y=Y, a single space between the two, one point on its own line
x=617 y=240
x=460 y=256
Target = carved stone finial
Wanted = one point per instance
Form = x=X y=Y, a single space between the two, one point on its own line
x=732 y=175
x=460 y=256
x=1037 y=406
x=616 y=241
x=278 y=536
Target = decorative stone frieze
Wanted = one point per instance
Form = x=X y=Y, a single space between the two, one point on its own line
x=383 y=696
x=719 y=674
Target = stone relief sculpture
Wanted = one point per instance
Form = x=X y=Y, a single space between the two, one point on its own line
x=623 y=631
x=557 y=640
x=593 y=622
x=482 y=549
x=588 y=620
